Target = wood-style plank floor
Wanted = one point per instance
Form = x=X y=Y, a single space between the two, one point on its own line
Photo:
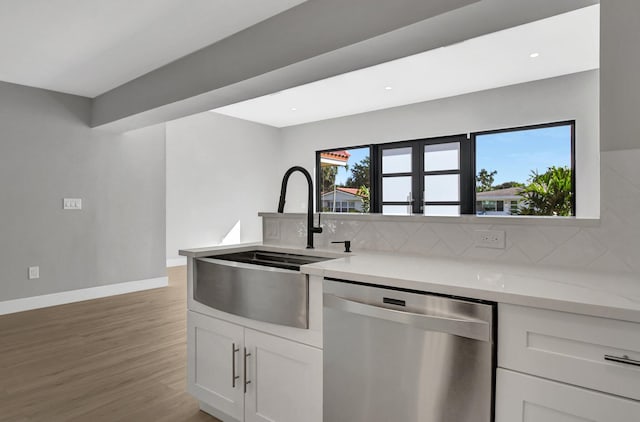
x=121 y=358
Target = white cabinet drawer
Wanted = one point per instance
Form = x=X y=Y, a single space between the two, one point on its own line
x=570 y=348
x=524 y=398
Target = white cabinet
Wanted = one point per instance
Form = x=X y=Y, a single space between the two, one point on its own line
x=525 y=398
x=214 y=373
x=557 y=367
x=286 y=380
x=247 y=375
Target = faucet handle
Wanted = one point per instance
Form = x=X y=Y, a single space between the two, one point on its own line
x=319 y=228
x=347 y=244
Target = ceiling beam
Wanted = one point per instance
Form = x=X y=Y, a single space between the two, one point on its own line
x=315 y=40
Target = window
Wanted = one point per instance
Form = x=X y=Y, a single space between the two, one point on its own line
x=423 y=176
x=341 y=206
x=397 y=179
x=345 y=179
x=519 y=171
x=531 y=168
x=442 y=178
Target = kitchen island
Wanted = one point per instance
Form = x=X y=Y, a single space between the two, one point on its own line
x=567 y=344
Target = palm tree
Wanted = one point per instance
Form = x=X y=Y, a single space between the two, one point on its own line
x=548 y=193
x=328 y=178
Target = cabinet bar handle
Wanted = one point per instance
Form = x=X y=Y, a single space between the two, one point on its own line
x=246 y=381
x=624 y=359
x=234 y=377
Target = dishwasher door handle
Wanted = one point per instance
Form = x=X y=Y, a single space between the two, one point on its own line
x=469 y=328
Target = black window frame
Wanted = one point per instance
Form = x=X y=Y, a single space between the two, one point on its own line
x=418 y=173
x=467 y=168
x=318 y=172
x=378 y=175
x=570 y=123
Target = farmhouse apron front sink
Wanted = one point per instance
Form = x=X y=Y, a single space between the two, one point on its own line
x=260 y=285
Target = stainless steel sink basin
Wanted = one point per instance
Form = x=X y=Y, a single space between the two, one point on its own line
x=271 y=259
x=260 y=285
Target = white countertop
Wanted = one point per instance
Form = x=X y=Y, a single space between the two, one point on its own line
x=602 y=294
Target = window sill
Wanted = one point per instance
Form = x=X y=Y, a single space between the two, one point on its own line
x=463 y=219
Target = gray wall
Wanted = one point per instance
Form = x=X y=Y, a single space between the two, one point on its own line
x=571 y=97
x=620 y=68
x=219 y=173
x=48 y=152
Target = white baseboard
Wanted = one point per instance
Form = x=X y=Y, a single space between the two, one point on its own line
x=53 y=299
x=176 y=262
x=215 y=412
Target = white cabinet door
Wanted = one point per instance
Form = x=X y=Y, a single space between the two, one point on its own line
x=285 y=380
x=570 y=348
x=214 y=347
x=525 y=398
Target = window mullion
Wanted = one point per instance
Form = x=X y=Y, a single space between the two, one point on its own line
x=417 y=176
x=376 y=194
x=467 y=176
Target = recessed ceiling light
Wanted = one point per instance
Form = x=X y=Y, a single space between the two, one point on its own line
x=293 y=109
x=388 y=88
x=534 y=55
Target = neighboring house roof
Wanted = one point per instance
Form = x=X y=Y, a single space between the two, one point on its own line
x=499 y=194
x=352 y=191
x=348 y=191
x=334 y=158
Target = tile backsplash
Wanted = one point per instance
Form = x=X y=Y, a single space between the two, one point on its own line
x=610 y=244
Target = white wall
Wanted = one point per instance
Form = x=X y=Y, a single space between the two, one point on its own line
x=49 y=152
x=610 y=244
x=571 y=97
x=220 y=172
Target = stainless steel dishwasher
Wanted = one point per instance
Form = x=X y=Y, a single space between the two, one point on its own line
x=403 y=356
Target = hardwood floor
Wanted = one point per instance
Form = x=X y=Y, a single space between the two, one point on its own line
x=121 y=358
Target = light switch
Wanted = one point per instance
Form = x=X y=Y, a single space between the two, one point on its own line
x=72 y=203
x=34 y=272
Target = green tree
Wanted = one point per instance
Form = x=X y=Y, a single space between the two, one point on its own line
x=548 y=193
x=363 y=191
x=360 y=174
x=507 y=185
x=328 y=178
x=484 y=180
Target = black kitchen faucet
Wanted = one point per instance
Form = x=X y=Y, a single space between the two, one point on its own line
x=311 y=230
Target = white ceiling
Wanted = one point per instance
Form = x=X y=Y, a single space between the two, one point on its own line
x=87 y=47
x=566 y=43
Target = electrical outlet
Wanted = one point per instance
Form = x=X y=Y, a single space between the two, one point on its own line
x=490 y=239
x=34 y=272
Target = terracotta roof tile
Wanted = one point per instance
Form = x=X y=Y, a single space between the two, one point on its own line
x=341 y=155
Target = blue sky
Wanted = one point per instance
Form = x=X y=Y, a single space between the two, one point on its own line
x=510 y=153
x=356 y=156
